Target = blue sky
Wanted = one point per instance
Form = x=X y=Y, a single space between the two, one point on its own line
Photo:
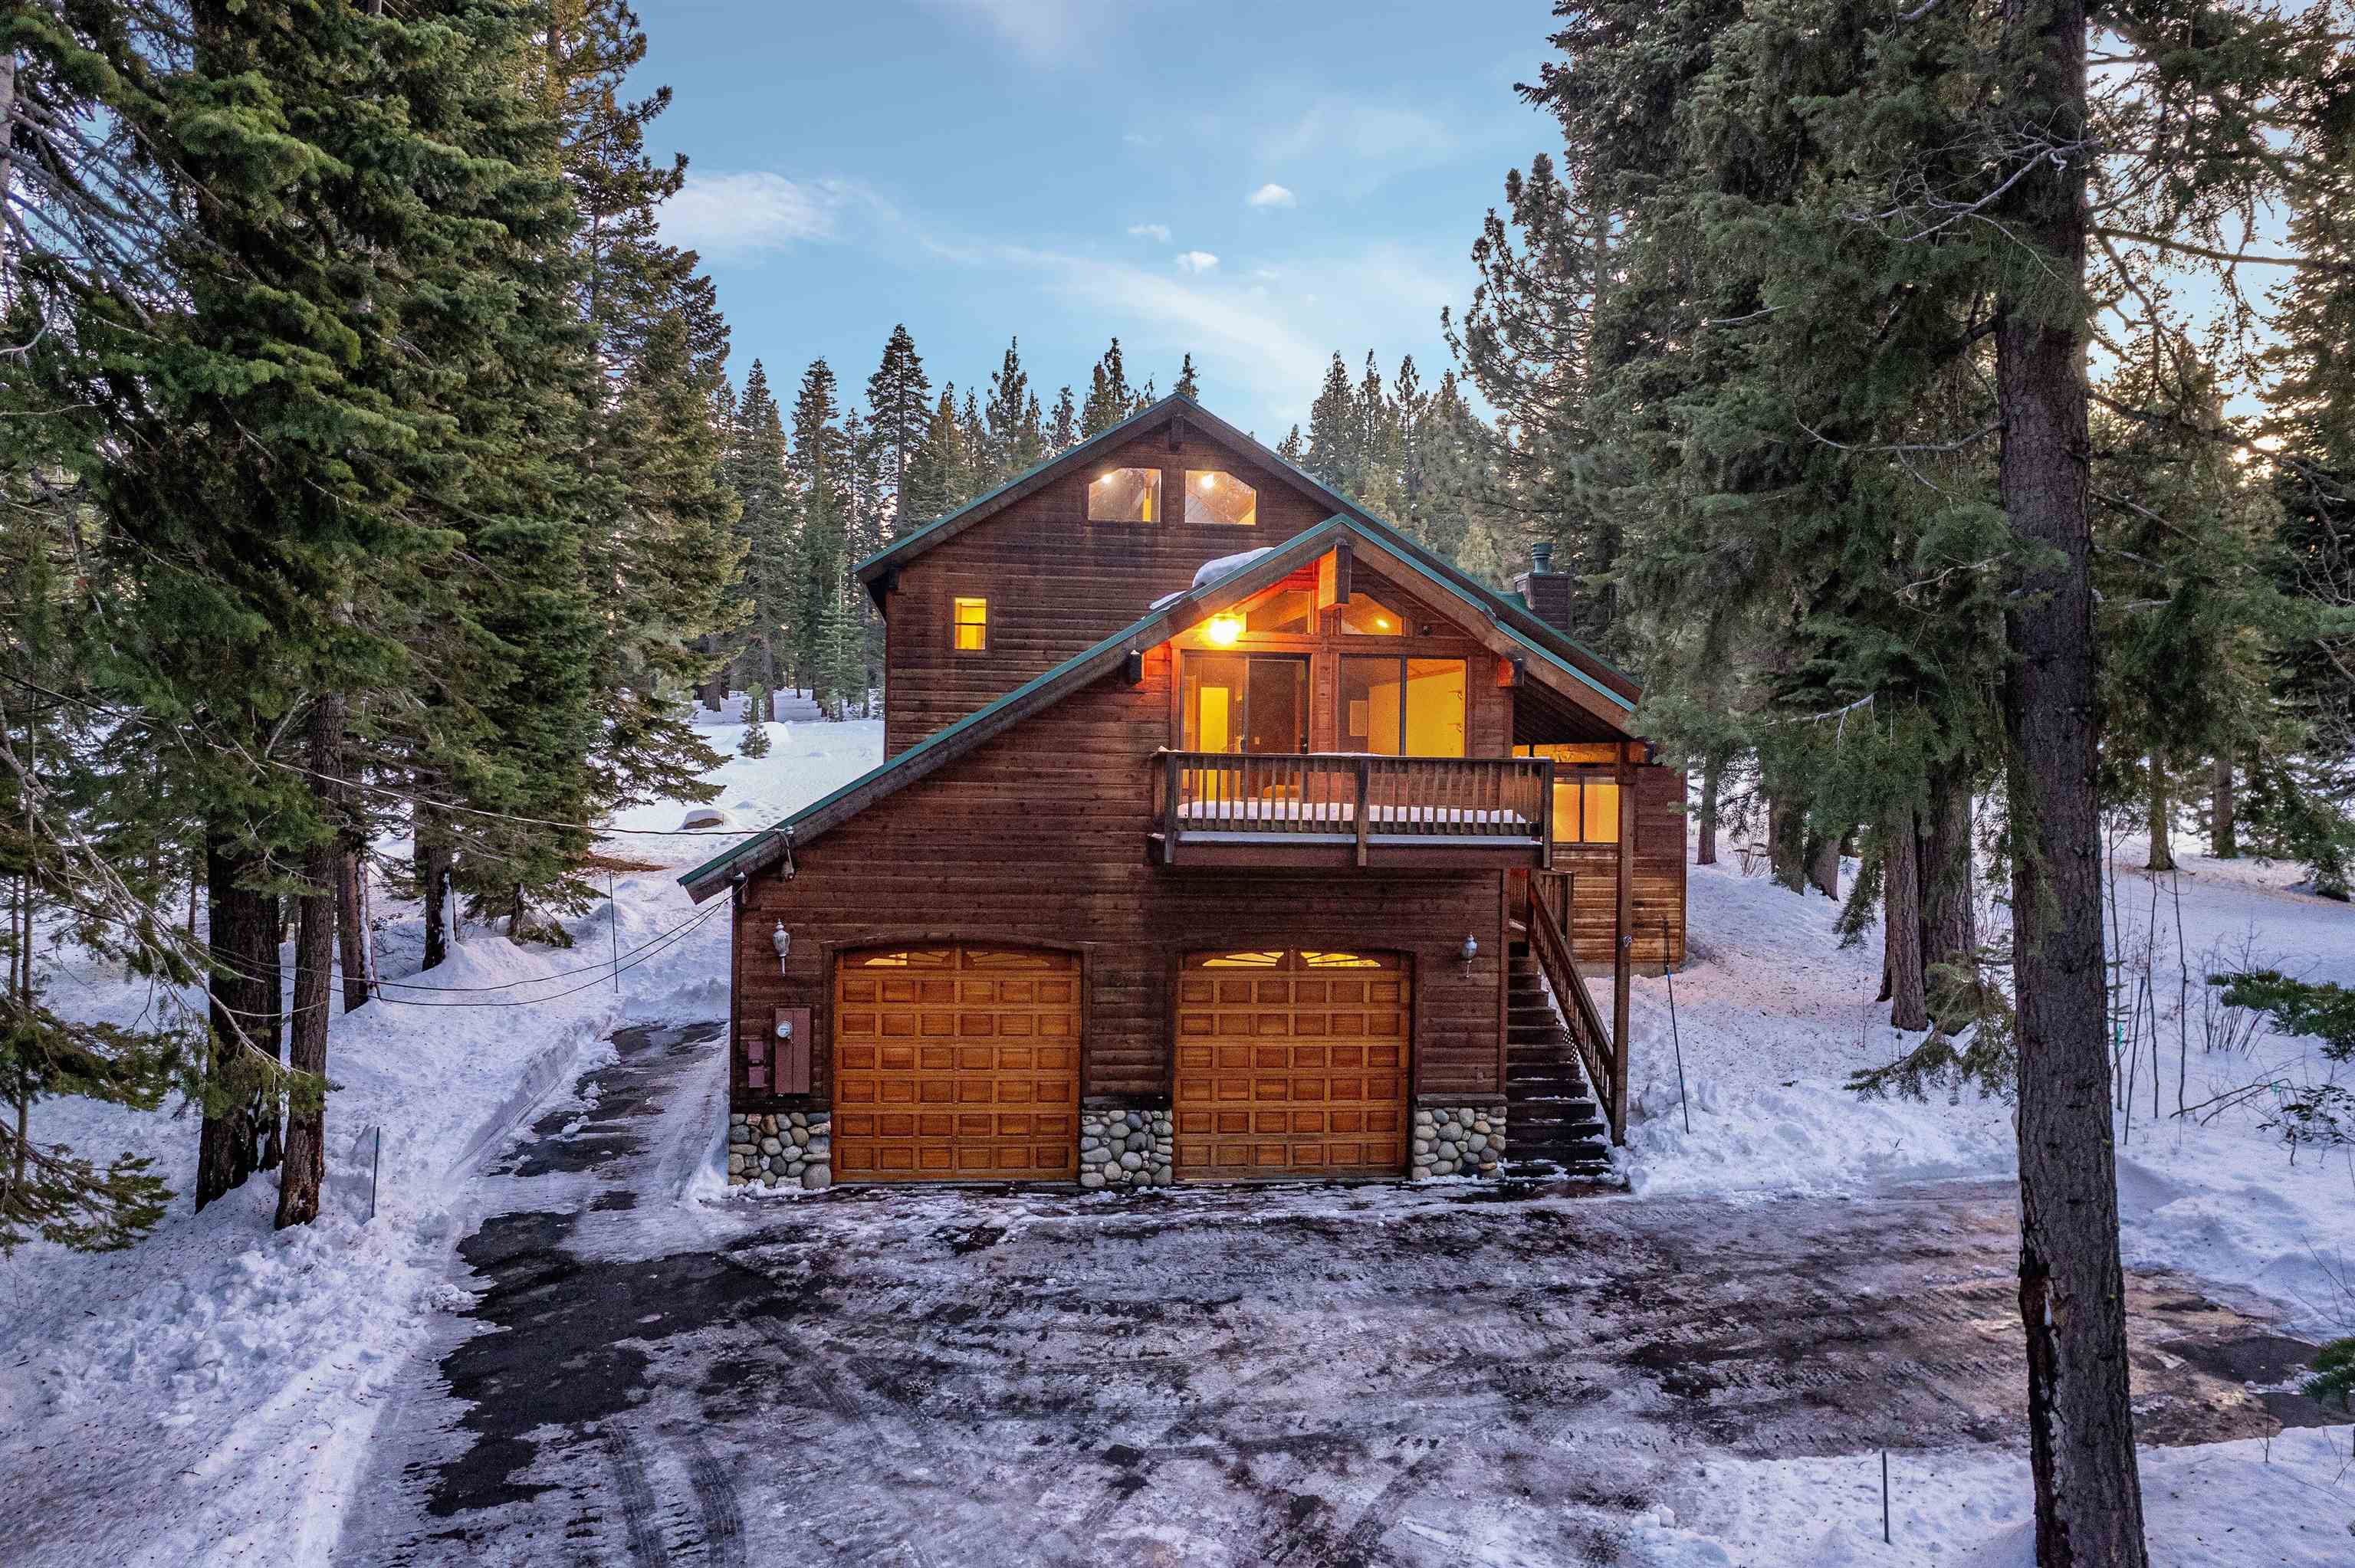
x=1259 y=185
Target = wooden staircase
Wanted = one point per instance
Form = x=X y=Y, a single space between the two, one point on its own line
x=1554 y=1122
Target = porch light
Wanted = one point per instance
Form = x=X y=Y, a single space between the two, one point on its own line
x=1223 y=630
x=1471 y=951
x=783 y=940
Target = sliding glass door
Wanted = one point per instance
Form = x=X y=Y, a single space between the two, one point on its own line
x=1250 y=703
x=1402 y=707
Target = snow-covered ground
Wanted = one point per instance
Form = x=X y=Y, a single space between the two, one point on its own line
x=205 y=1396
x=1772 y=1015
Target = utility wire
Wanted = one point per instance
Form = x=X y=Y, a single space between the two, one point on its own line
x=236 y=966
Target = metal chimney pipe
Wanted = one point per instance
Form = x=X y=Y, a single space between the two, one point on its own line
x=1542 y=556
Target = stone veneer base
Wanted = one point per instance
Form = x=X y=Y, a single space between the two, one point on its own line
x=796 y=1150
x=1457 y=1140
x=1126 y=1148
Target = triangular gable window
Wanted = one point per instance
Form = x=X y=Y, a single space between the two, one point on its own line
x=1363 y=615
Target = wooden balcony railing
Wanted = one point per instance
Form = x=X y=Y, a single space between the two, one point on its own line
x=1604 y=1059
x=1337 y=801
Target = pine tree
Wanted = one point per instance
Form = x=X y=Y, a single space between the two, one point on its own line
x=1063 y=425
x=820 y=470
x=899 y=410
x=1334 y=454
x=755 y=469
x=755 y=739
x=1110 y=398
x=1188 y=384
x=1016 y=441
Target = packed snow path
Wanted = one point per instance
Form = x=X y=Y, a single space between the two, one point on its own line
x=1302 y=1374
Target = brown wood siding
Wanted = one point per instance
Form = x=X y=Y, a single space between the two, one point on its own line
x=1057 y=583
x=1039 y=838
x=1659 y=879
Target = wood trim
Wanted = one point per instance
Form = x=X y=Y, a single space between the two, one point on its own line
x=1623 y=961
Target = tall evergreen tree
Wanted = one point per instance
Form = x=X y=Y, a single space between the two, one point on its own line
x=899 y=407
x=1063 y=425
x=1016 y=441
x=1110 y=398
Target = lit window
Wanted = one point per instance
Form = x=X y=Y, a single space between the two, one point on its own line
x=969 y=625
x=1216 y=497
x=1585 y=792
x=1316 y=960
x=907 y=959
x=1284 y=610
x=1402 y=707
x=1259 y=961
x=1126 y=495
x=1366 y=616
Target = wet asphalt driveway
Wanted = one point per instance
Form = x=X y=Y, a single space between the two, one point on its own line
x=1307 y=1375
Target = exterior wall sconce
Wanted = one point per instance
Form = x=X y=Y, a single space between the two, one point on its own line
x=1471 y=951
x=783 y=940
x=1223 y=630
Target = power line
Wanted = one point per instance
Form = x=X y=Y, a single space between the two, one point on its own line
x=234 y=965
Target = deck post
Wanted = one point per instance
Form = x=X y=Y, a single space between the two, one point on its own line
x=1545 y=816
x=1365 y=804
x=1623 y=952
x=1170 y=812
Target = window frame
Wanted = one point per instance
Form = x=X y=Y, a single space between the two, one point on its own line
x=957 y=627
x=1575 y=776
x=1400 y=661
x=1231 y=477
x=1156 y=512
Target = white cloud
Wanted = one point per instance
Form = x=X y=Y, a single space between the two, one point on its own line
x=1196 y=261
x=1042 y=31
x=1358 y=143
x=732 y=216
x=1156 y=232
x=1271 y=195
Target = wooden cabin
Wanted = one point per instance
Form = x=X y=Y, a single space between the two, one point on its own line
x=1223 y=832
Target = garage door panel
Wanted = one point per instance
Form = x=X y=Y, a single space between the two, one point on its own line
x=979 y=1079
x=1308 y=1078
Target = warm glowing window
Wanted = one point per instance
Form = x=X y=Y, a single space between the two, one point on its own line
x=969 y=625
x=1585 y=792
x=1402 y=707
x=1235 y=702
x=1214 y=496
x=907 y=958
x=1259 y=961
x=1316 y=960
x=1126 y=495
x=1365 y=616
x=1286 y=610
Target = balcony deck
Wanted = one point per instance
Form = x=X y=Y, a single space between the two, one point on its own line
x=1347 y=811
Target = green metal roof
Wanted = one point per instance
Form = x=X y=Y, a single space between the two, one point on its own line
x=1279 y=560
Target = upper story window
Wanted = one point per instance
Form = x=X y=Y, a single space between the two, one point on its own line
x=1216 y=496
x=1363 y=615
x=1402 y=707
x=1126 y=495
x=1286 y=610
x=969 y=625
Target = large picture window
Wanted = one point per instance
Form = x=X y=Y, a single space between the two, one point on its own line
x=1246 y=701
x=1126 y=495
x=1585 y=792
x=1402 y=707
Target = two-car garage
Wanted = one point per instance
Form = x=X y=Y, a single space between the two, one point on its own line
x=962 y=1062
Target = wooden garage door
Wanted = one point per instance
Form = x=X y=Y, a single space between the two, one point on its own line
x=956 y=1063
x=1292 y=1064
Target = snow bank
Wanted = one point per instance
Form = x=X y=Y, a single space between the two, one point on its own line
x=205 y=1396
x=1771 y=1015
x=2285 y=1503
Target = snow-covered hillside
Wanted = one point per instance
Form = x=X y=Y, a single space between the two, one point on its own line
x=1772 y=1015
x=204 y=1396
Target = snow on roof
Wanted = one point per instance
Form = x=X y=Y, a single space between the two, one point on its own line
x=1226 y=565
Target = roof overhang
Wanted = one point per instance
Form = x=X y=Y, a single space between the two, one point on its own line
x=1575 y=678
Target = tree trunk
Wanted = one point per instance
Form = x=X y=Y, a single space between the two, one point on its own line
x=1950 y=933
x=1901 y=924
x=244 y=1021
x=351 y=926
x=2072 y=1284
x=2223 y=834
x=432 y=856
x=2162 y=848
x=1785 y=833
x=1707 y=855
x=1824 y=868
x=315 y=957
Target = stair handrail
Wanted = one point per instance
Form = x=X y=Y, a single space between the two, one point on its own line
x=1587 y=1030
